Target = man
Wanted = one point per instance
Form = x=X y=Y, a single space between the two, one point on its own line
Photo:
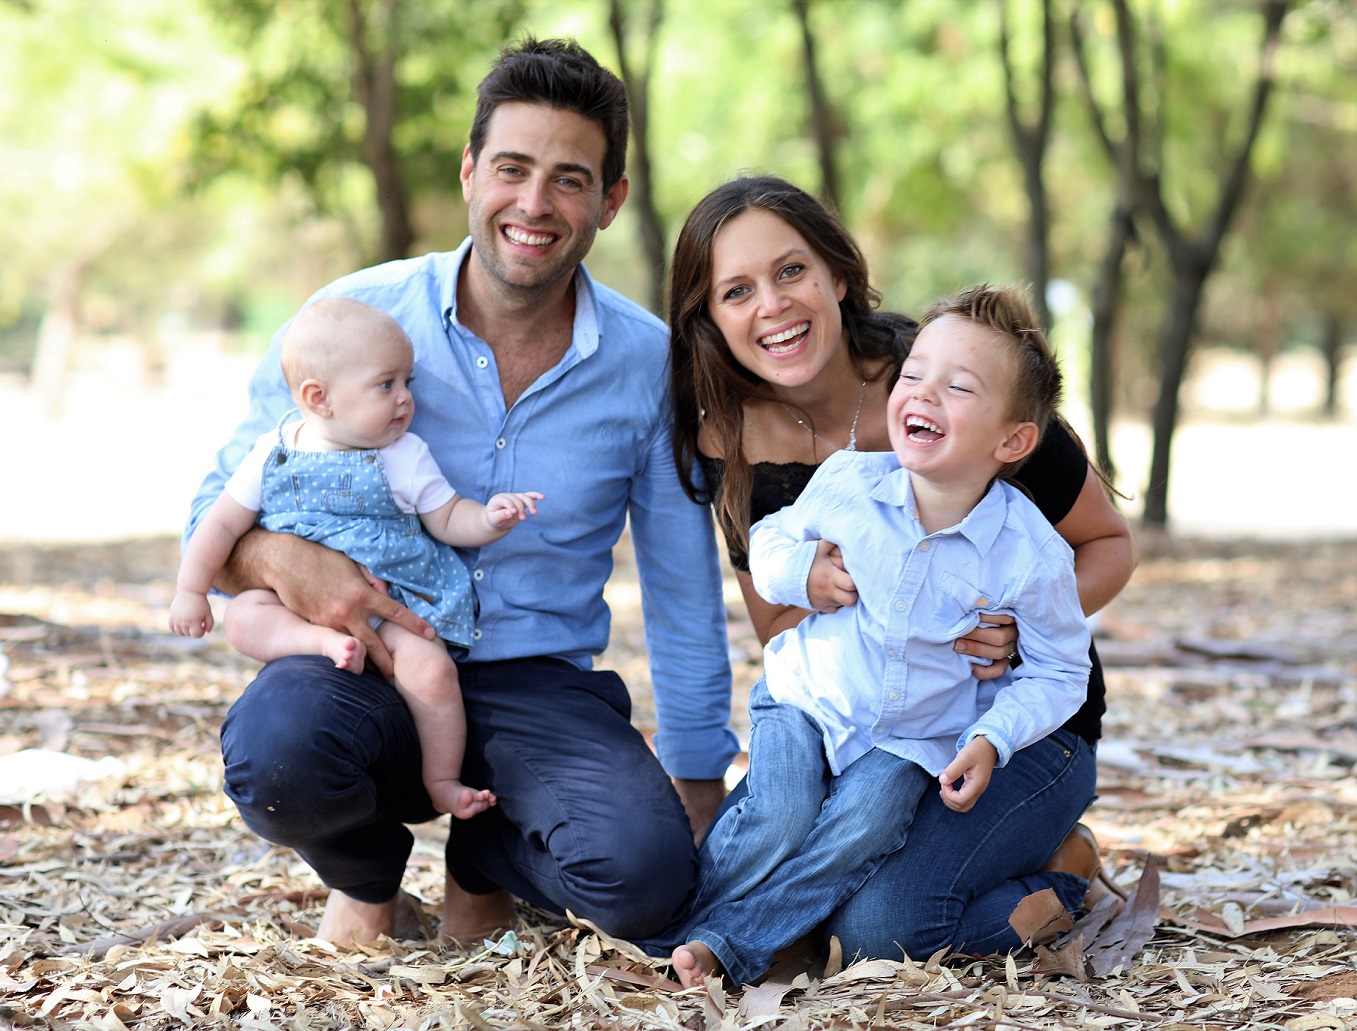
x=527 y=373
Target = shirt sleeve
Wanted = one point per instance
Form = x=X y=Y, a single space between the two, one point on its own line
x=269 y=400
x=1052 y=681
x=424 y=487
x=780 y=557
x=245 y=485
x=682 y=602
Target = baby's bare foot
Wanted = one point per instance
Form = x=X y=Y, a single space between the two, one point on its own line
x=694 y=963
x=452 y=796
x=346 y=652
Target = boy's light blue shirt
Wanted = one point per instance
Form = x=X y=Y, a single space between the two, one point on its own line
x=592 y=434
x=882 y=673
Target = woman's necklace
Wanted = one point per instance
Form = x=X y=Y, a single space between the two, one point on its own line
x=852 y=430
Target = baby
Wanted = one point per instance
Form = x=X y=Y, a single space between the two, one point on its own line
x=347 y=474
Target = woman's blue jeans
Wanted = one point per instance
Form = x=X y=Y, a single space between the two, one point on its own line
x=960 y=875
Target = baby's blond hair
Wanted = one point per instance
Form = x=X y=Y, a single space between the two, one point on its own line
x=327 y=335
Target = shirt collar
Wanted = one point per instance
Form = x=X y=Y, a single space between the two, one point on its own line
x=981 y=525
x=586 y=333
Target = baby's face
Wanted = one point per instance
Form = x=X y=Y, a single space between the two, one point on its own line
x=370 y=397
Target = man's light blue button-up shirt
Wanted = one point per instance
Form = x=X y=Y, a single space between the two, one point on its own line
x=592 y=434
x=882 y=673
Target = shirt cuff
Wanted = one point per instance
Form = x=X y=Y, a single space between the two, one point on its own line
x=789 y=587
x=990 y=733
x=697 y=754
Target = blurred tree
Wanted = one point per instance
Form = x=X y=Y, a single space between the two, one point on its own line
x=1191 y=255
x=636 y=76
x=1031 y=139
x=333 y=86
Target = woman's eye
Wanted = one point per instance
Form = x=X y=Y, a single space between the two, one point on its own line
x=792 y=271
x=734 y=293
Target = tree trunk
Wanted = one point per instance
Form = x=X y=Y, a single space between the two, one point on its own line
x=374 y=83
x=821 y=111
x=1267 y=344
x=642 y=195
x=1174 y=344
x=1030 y=141
x=1332 y=344
x=56 y=335
x=1102 y=355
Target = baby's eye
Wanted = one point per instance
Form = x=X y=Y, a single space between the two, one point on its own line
x=963 y=390
x=386 y=384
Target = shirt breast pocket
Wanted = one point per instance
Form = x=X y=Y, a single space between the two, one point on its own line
x=330 y=492
x=957 y=604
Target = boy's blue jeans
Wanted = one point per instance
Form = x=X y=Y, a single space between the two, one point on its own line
x=800 y=843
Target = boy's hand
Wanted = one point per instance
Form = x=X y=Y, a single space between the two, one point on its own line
x=504 y=510
x=972 y=766
x=190 y=614
x=828 y=585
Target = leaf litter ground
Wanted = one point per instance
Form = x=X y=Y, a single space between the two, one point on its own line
x=1227 y=809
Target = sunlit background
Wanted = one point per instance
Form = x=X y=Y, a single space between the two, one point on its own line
x=175 y=177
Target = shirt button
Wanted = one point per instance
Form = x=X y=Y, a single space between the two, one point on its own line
x=475 y=635
x=500 y=443
x=478 y=574
x=899 y=606
x=482 y=362
x=895 y=695
x=924 y=546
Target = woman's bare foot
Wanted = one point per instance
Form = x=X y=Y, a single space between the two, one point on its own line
x=469 y=918
x=694 y=963
x=344 y=651
x=347 y=922
x=452 y=796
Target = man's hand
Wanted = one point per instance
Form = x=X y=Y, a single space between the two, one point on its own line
x=828 y=585
x=322 y=586
x=972 y=766
x=701 y=799
x=999 y=643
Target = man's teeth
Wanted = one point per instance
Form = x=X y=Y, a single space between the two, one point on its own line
x=528 y=239
x=784 y=336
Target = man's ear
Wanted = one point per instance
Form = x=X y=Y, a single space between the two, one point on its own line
x=465 y=173
x=612 y=202
x=1019 y=443
x=312 y=398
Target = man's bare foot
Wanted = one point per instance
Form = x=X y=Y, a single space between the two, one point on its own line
x=468 y=918
x=347 y=922
x=694 y=963
x=452 y=796
x=344 y=651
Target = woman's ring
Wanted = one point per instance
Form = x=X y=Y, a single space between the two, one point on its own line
x=1012 y=654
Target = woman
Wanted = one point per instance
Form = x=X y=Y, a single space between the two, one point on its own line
x=778 y=359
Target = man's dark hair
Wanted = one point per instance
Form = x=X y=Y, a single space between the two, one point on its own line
x=559 y=73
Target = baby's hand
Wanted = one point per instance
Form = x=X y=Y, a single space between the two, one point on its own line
x=190 y=614
x=828 y=585
x=503 y=511
x=972 y=766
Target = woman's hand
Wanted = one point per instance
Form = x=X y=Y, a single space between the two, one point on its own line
x=997 y=643
x=321 y=585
